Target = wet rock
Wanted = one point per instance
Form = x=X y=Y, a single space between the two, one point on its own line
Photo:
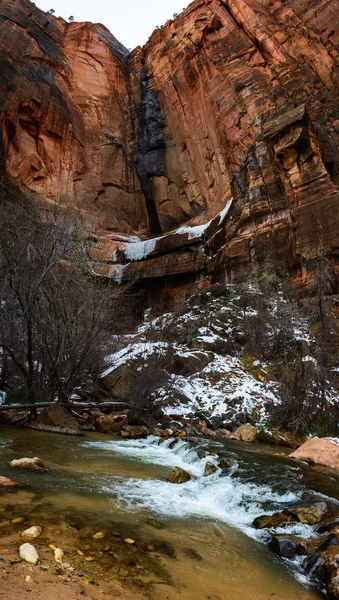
x=225 y=462
x=110 y=423
x=210 y=469
x=330 y=540
x=308 y=514
x=56 y=419
x=328 y=526
x=285 y=547
x=5 y=482
x=246 y=433
x=28 y=553
x=32 y=532
x=31 y=464
x=304 y=514
x=270 y=521
x=179 y=475
x=320 y=451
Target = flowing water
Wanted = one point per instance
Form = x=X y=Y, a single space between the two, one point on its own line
x=192 y=541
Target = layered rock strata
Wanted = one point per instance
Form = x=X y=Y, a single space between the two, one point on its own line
x=233 y=99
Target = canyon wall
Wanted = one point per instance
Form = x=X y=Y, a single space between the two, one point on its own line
x=234 y=99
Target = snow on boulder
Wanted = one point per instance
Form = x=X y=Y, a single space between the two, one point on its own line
x=320 y=451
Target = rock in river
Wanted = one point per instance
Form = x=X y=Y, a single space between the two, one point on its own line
x=285 y=546
x=28 y=553
x=5 y=482
x=32 y=464
x=179 y=475
x=225 y=462
x=321 y=451
x=307 y=514
x=210 y=468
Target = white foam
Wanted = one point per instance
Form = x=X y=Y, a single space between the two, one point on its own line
x=219 y=496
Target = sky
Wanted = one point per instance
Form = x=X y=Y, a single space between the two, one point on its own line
x=130 y=21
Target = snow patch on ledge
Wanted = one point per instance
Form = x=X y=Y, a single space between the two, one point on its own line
x=139 y=250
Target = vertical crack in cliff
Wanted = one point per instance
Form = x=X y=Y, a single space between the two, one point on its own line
x=150 y=156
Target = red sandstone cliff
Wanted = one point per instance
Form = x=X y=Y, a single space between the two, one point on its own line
x=234 y=98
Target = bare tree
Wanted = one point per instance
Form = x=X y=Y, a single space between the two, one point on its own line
x=55 y=316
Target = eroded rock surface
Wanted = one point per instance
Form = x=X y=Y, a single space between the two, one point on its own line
x=233 y=99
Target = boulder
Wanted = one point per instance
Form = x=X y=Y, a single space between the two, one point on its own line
x=216 y=422
x=225 y=433
x=31 y=464
x=307 y=514
x=210 y=469
x=320 y=451
x=225 y=462
x=246 y=433
x=28 y=553
x=179 y=475
x=5 y=482
x=328 y=526
x=303 y=514
x=110 y=423
x=270 y=521
x=57 y=419
x=330 y=540
x=134 y=431
x=284 y=546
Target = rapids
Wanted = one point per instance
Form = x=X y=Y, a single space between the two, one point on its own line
x=211 y=550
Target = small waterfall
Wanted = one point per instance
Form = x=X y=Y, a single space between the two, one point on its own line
x=222 y=496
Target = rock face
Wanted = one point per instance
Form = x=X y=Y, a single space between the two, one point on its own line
x=321 y=451
x=233 y=99
x=64 y=112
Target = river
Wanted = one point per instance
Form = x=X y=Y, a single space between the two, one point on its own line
x=192 y=541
